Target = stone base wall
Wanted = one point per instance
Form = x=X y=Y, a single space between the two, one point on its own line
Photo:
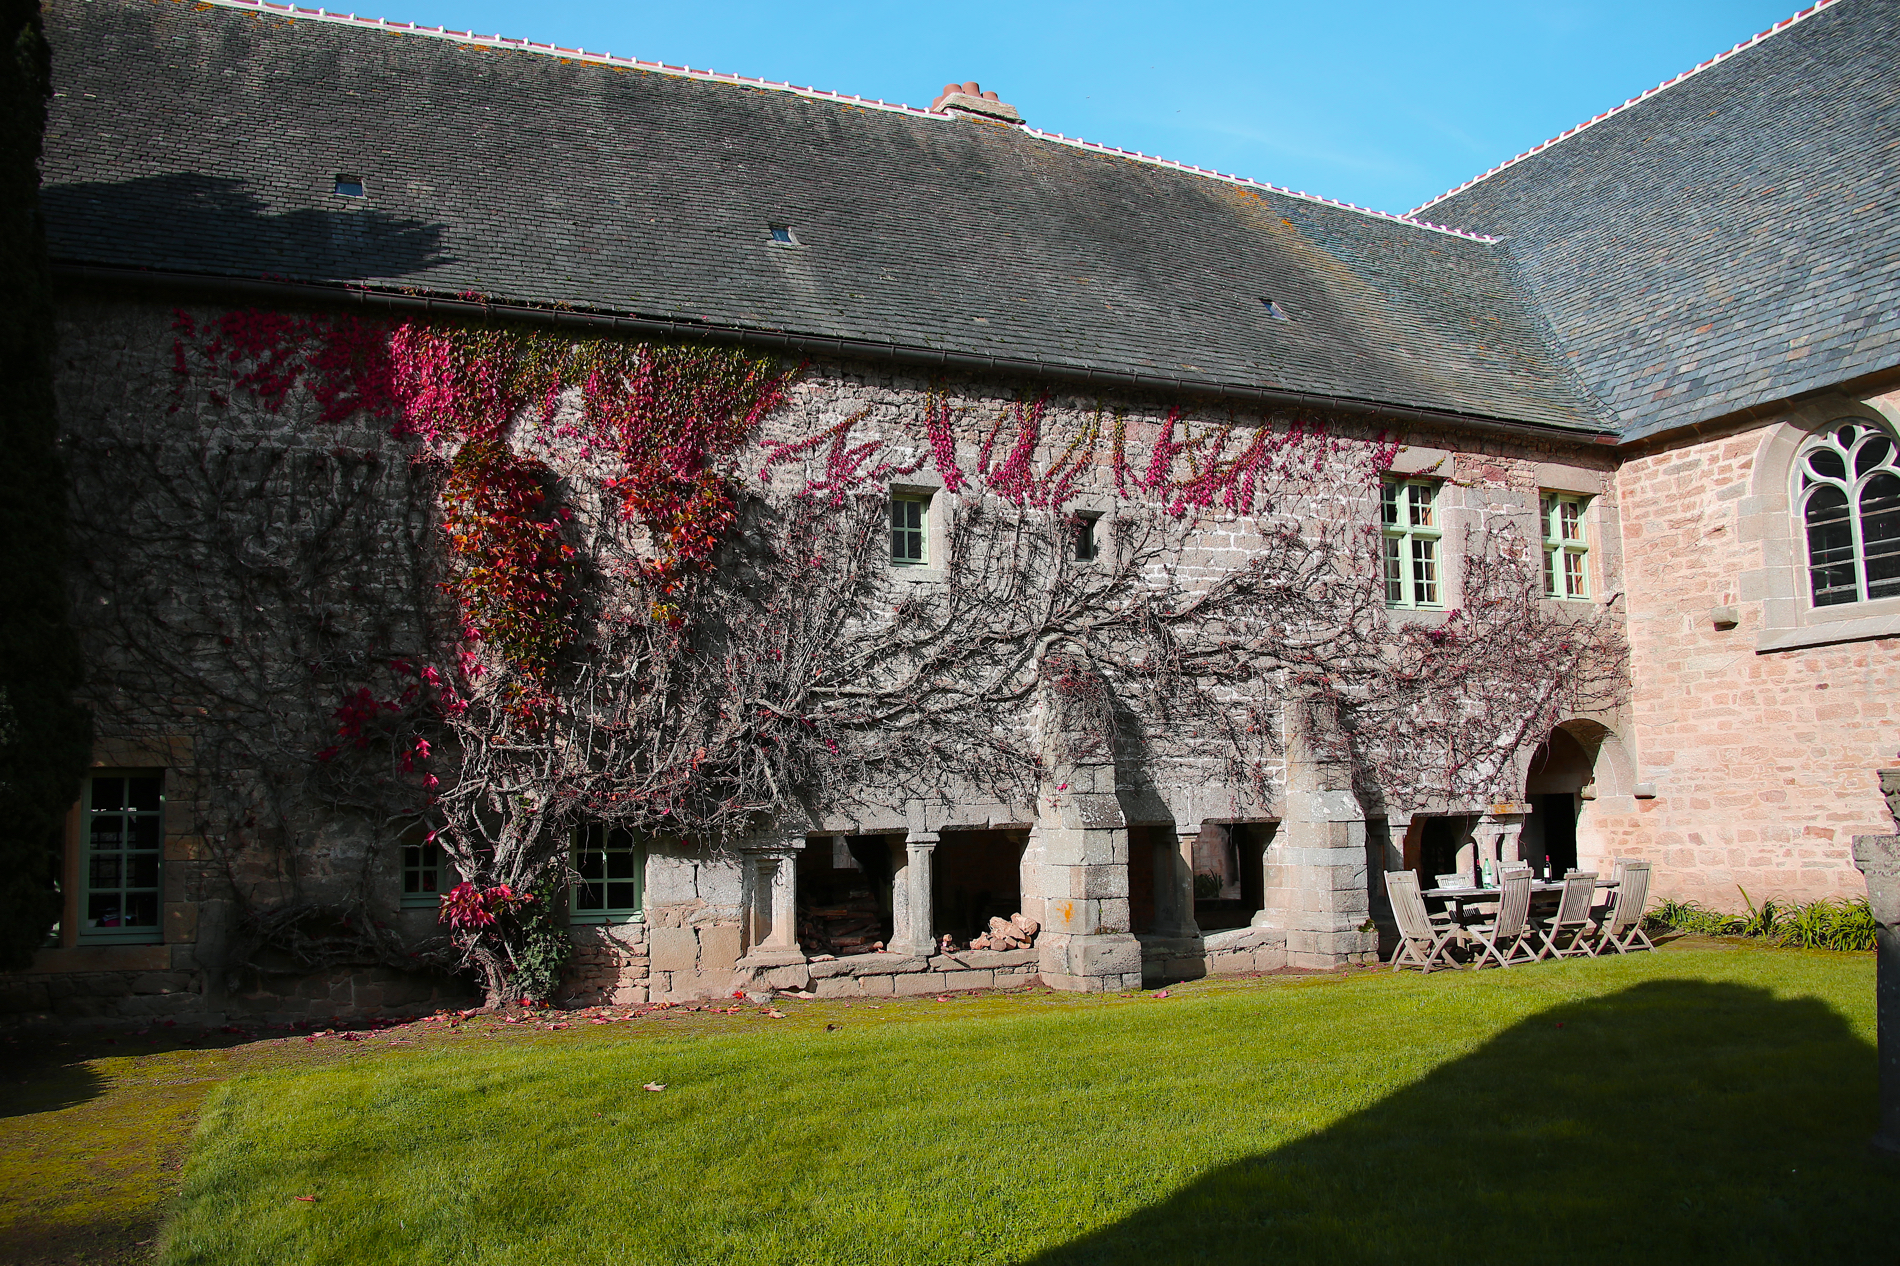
x=899 y=975
x=611 y=967
x=348 y=993
x=1236 y=952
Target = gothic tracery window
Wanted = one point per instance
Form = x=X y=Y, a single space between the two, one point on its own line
x=1848 y=497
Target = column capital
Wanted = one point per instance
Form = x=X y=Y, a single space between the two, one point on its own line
x=922 y=839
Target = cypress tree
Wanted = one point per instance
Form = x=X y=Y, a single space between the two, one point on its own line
x=45 y=738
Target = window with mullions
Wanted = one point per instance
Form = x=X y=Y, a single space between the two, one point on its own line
x=610 y=864
x=910 y=517
x=1566 y=552
x=124 y=841
x=1849 y=499
x=1409 y=511
x=425 y=875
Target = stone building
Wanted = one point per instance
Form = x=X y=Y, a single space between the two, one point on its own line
x=1658 y=350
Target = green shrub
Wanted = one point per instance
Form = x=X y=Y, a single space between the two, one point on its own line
x=1828 y=923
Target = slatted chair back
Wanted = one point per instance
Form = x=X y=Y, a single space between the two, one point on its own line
x=1632 y=894
x=1573 y=908
x=1408 y=907
x=1514 y=902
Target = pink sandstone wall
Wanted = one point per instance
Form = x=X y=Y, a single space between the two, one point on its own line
x=1762 y=760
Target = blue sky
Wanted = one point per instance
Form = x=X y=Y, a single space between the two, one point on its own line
x=1380 y=104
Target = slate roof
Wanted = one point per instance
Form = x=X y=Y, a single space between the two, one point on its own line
x=1730 y=240
x=207 y=140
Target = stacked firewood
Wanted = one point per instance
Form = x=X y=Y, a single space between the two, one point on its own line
x=1018 y=931
x=850 y=926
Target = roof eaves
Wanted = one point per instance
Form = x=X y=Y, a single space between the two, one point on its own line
x=818 y=94
x=1776 y=29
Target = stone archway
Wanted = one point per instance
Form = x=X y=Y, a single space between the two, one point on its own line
x=1577 y=777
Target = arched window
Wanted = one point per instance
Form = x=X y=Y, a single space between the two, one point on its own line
x=1848 y=497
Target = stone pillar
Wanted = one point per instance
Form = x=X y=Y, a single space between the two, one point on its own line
x=771 y=899
x=1878 y=857
x=1497 y=835
x=1316 y=872
x=1174 y=887
x=912 y=916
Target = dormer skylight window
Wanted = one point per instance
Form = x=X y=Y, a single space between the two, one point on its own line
x=783 y=233
x=1274 y=310
x=349 y=186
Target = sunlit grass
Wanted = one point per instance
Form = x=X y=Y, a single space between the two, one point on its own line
x=1355 y=1119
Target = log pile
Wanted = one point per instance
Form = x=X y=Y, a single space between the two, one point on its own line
x=1018 y=931
x=852 y=925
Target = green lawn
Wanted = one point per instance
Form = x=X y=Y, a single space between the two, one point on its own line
x=1697 y=1105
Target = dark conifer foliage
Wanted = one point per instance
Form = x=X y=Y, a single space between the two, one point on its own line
x=45 y=738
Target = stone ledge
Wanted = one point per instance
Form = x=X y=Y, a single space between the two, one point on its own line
x=1829 y=633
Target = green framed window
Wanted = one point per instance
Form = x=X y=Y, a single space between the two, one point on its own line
x=1409 y=516
x=1566 y=548
x=910 y=530
x=426 y=874
x=610 y=867
x=121 y=875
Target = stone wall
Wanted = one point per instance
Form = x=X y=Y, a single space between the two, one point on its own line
x=704 y=926
x=1758 y=723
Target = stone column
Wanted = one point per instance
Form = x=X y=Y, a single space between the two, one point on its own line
x=771 y=900
x=1497 y=834
x=1316 y=873
x=1878 y=857
x=912 y=916
x=1174 y=887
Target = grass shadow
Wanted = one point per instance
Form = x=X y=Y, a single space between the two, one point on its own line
x=25 y=1090
x=1674 y=1119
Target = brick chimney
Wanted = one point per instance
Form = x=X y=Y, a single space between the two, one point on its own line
x=969 y=98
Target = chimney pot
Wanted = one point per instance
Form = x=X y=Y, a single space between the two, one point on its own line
x=949 y=89
x=972 y=89
x=990 y=96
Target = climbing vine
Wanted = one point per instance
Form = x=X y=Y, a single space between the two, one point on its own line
x=650 y=585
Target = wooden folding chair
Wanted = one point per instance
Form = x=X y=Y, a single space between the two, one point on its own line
x=1422 y=938
x=1508 y=934
x=1572 y=918
x=1620 y=923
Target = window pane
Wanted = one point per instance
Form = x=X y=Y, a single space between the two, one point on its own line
x=102 y=910
x=913 y=515
x=141 y=910
x=589 y=897
x=108 y=793
x=619 y=865
x=1570 y=519
x=591 y=864
x=1394 y=573
x=1549 y=518
x=1389 y=504
x=1846 y=435
x=1573 y=576
x=897 y=516
x=1880 y=534
x=620 y=896
x=1550 y=573
x=144 y=868
x=1827 y=463
x=108 y=832
x=1420 y=496
x=143 y=791
x=1876 y=452
x=1830 y=547
x=103 y=870
x=1424 y=572
x=145 y=831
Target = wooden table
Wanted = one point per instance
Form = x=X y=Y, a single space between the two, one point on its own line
x=1459 y=896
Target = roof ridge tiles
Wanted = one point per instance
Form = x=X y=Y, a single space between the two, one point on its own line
x=1645 y=95
x=525 y=45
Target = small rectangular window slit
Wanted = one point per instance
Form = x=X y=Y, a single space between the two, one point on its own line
x=349 y=186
